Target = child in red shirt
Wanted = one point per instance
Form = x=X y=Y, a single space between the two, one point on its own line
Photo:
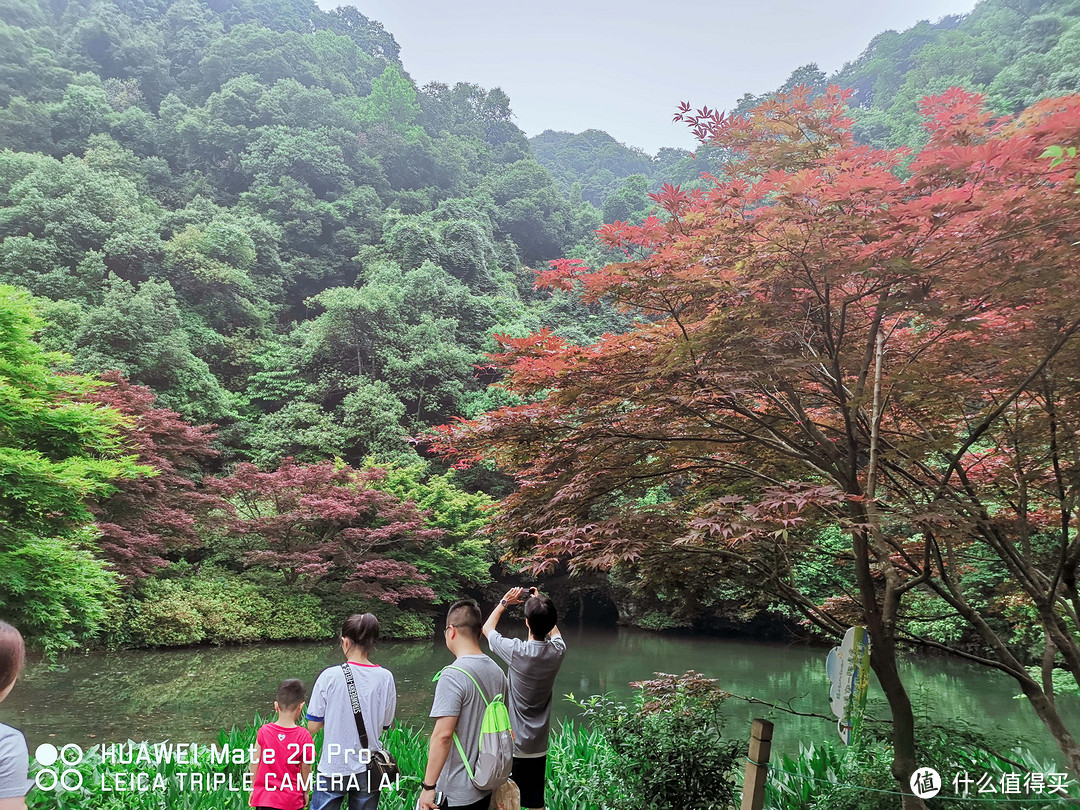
x=283 y=755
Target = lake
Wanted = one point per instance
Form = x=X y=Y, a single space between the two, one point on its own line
x=187 y=695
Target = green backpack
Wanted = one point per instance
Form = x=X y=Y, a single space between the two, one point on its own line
x=496 y=743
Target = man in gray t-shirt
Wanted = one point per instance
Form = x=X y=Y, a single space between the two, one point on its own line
x=533 y=666
x=459 y=708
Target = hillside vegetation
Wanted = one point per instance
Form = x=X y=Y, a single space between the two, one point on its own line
x=251 y=208
x=247 y=215
x=245 y=261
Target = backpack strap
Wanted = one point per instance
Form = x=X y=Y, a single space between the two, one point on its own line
x=477 y=683
x=483 y=697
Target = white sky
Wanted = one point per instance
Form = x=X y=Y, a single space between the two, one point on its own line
x=623 y=66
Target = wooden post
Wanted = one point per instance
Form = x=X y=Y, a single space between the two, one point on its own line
x=757 y=771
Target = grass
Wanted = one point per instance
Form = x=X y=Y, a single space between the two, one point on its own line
x=579 y=777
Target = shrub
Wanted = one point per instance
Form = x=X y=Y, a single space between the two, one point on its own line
x=403 y=625
x=298 y=616
x=668 y=743
x=221 y=607
x=59 y=592
x=166 y=617
x=394 y=622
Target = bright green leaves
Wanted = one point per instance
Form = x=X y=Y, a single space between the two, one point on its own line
x=1059 y=155
x=460 y=559
x=55 y=451
x=54 y=588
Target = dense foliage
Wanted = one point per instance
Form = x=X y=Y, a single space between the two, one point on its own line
x=103 y=489
x=247 y=216
x=56 y=448
x=146 y=517
x=252 y=210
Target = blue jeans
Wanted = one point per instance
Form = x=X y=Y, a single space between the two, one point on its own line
x=336 y=799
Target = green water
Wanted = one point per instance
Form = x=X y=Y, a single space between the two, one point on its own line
x=187 y=695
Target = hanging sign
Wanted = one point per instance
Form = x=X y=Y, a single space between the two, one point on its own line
x=848 y=667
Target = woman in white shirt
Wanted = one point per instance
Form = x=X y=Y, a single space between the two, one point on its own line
x=343 y=782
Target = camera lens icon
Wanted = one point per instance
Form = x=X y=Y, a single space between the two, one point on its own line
x=65 y=776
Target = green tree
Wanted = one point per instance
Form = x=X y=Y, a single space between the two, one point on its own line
x=630 y=203
x=460 y=559
x=56 y=449
x=139 y=331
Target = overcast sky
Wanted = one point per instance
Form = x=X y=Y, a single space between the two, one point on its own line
x=623 y=66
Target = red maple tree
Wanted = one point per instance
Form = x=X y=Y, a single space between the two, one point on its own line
x=828 y=335
x=322 y=523
x=148 y=516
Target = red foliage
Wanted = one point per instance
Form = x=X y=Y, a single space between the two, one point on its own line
x=763 y=300
x=150 y=515
x=561 y=275
x=320 y=522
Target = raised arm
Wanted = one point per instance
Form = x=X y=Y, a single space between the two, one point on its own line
x=512 y=597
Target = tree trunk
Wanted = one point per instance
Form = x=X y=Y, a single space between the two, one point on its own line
x=880 y=627
x=881 y=617
x=883 y=662
x=1045 y=709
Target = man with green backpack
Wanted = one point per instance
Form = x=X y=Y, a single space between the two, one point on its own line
x=471 y=749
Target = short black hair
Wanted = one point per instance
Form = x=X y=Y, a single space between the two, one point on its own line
x=541 y=615
x=465 y=615
x=12 y=655
x=362 y=630
x=290 y=693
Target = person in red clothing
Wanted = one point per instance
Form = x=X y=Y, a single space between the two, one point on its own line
x=284 y=753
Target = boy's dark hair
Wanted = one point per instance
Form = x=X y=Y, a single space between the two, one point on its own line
x=541 y=615
x=12 y=655
x=465 y=616
x=290 y=694
x=362 y=630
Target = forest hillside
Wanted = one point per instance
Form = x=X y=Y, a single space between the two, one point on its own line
x=245 y=262
x=279 y=251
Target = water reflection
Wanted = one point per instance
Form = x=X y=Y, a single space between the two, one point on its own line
x=187 y=695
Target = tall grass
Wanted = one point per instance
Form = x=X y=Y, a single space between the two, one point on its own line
x=579 y=770
x=408 y=745
x=830 y=777
x=579 y=777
